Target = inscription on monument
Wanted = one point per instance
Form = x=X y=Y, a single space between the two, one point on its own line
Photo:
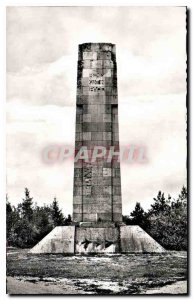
x=96 y=82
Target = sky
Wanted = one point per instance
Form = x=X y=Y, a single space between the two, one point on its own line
x=42 y=53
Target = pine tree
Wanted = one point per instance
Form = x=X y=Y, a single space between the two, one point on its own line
x=183 y=195
x=139 y=217
x=27 y=206
x=138 y=212
x=181 y=200
x=169 y=221
x=57 y=214
x=43 y=221
x=9 y=218
x=68 y=220
x=160 y=204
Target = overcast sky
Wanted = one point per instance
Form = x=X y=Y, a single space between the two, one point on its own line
x=42 y=53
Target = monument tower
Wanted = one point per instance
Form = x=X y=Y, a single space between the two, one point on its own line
x=97 y=205
x=97 y=184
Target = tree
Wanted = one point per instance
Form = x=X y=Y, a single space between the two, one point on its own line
x=9 y=220
x=27 y=206
x=27 y=224
x=169 y=221
x=43 y=221
x=138 y=212
x=57 y=214
x=182 y=199
x=183 y=195
x=68 y=220
x=139 y=217
x=25 y=233
x=165 y=221
x=160 y=204
x=12 y=218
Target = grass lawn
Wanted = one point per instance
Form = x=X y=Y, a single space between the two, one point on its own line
x=96 y=274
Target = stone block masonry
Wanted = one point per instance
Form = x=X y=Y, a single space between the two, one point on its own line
x=94 y=238
x=97 y=125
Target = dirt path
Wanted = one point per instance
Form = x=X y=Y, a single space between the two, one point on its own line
x=179 y=287
x=15 y=286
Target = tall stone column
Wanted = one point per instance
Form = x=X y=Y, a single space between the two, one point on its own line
x=97 y=185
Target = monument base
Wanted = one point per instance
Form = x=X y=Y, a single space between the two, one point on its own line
x=86 y=239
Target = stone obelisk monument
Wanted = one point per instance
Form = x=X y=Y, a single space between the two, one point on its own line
x=97 y=183
x=97 y=205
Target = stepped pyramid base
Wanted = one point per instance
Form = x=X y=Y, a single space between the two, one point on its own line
x=76 y=239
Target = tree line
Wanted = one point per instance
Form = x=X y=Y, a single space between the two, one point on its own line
x=28 y=223
x=165 y=221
